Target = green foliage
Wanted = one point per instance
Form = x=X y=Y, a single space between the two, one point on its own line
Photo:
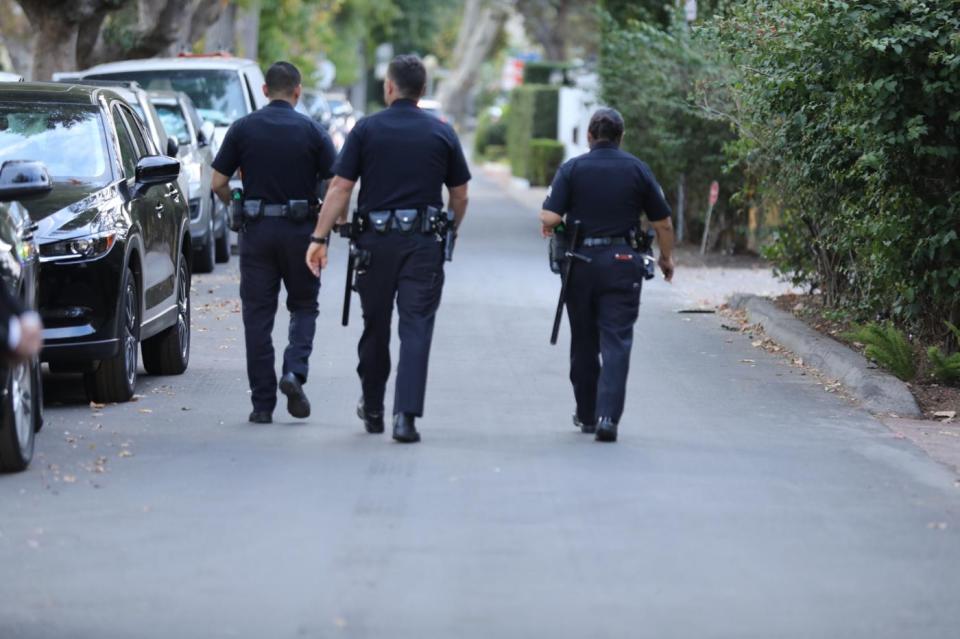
x=532 y=114
x=650 y=73
x=946 y=368
x=489 y=133
x=849 y=125
x=541 y=72
x=888 y=347
x=546 y=156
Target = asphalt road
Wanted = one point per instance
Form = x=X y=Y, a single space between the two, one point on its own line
x=741 y=501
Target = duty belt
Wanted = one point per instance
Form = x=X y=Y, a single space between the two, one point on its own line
x=604 y=241
x=423 y=220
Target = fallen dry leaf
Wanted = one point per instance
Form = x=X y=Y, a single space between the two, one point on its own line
x=124 y=453
x=145 y=410
x=946 y=415
x=748 y=361
x=97 y=406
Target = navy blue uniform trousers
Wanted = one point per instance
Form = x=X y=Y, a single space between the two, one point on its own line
x=407 y=269
x=271 y=252
x=603 y=301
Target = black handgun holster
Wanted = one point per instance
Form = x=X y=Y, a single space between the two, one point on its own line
x=559 y=246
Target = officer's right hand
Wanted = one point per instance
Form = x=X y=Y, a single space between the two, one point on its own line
x=316 y=258
x=666 y=265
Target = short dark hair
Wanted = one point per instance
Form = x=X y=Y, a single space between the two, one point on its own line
x=606 y=125
x=409 y=75
x=282 y=78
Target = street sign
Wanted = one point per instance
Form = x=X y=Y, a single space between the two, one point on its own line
x=714 y=192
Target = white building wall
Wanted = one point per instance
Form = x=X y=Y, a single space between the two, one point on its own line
x=577 y=104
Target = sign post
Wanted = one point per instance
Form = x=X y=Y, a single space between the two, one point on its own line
x=714 y=196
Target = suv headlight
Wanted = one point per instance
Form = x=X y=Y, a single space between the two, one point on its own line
x=87 y=247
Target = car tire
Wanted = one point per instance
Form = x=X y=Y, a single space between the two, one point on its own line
x=20 y=415
x=116 y=378
x=205 y=258
x=223 y=242
x=168 y=353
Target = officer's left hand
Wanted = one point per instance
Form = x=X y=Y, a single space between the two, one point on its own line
x=316 y=258
x=546 y=230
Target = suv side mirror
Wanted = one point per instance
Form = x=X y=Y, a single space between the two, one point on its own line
x=23 y=179
x=156 y=169
x=207 y=131
x=173 y=147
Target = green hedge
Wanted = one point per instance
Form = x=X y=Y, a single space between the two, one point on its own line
x=546 y=156
x=541 y=72
x=532 y=114
x=490 y=133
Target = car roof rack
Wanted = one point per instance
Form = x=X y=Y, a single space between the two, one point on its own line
x=92 y=82
x=214 y=54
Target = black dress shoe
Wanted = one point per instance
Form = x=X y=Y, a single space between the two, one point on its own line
x=297 y=403
x=261 y=417
x=585 y=428
x=373 y=422
x=403 y=429
x=606 y=430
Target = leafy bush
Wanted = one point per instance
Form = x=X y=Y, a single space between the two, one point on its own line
x=541 y=72
x=888 y=347
x=532 y=114
x=649 y=72
x=490 y=132
x=848 y=121
x=946 y=368
x=546 y=156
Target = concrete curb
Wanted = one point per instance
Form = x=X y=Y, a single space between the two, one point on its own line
x=879 y=392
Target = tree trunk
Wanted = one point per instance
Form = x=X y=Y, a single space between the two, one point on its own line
x=54 y=45
x=455 y=90
x=222 y=34
x=15 y=34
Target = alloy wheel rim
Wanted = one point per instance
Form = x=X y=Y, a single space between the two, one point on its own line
x=22 y=397
x=130 y=339
x=183 y=314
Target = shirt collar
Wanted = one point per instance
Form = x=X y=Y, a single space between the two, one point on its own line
x=283 y=104
x=603 y=144
x=404 y=103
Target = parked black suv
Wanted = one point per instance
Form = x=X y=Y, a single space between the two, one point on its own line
x=21 y=408
x=114 y=236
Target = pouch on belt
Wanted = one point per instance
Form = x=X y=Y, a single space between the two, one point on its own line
x=406 y=220
x=380 y=220
x=252 y=210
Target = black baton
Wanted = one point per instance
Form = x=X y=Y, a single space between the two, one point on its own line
x=571 y=255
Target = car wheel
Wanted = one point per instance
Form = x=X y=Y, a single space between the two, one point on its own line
x=168 y=353
x=116 y=378
x=204 y=258
x=18 y=431
x=223 y=243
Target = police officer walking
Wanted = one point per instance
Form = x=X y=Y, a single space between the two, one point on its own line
x=403 y=157
x=605 y=191
x=282 y=156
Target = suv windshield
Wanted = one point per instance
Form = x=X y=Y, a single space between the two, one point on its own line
x=68 y=139
x=173 y=122
x=218 y=95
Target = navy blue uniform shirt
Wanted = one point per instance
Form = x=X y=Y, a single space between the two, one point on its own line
x=282 y=154
x=402 y=156
x=606 y=190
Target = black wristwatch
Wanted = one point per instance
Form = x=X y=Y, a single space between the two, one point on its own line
x=319 y=240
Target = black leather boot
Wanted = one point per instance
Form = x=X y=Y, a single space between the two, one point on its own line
x=373 y=422
x=261 y=417
x=606 y=430
x=585 y=428
x=297 y=403
x=403 y=429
